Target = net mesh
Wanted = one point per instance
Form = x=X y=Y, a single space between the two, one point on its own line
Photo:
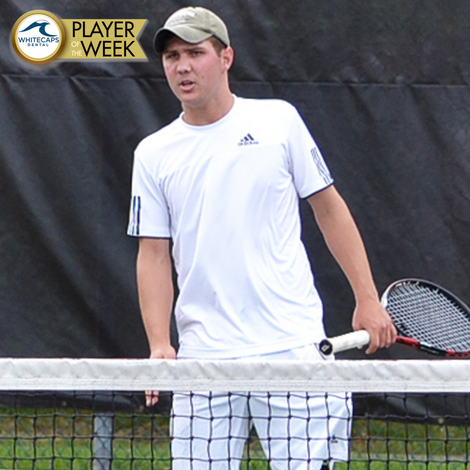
x=407 y=414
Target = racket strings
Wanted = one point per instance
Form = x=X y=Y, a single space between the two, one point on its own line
x=429 y=317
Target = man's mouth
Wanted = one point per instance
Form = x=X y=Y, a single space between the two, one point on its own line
x=186 y=84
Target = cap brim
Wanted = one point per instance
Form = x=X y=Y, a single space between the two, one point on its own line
x=184 y=32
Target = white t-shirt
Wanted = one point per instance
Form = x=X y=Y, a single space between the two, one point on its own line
x=227 y=194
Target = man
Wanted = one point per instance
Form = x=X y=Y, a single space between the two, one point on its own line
x=223 y=183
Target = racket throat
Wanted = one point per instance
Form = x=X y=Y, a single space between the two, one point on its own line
x=412 y=343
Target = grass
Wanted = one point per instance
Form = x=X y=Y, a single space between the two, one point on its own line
x=391 y=445
x=64 y=440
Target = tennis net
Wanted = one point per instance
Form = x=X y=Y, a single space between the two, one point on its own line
x=91 y=414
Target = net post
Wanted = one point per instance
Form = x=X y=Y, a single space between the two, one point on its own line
x=103 y=427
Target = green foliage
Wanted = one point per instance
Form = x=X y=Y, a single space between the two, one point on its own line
x=60 y=440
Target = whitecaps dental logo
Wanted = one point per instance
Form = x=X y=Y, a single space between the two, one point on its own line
x=38 y=36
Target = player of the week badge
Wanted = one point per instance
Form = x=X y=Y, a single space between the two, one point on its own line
x=38 y=37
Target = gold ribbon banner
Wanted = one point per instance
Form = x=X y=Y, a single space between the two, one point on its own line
x=103 y=40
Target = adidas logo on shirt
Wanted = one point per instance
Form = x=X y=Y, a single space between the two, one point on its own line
x=248 y=140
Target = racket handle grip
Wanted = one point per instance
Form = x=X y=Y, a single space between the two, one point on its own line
x=356 y=339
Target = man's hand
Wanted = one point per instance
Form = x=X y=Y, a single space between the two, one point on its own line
x=370 y=315
x=166 y=352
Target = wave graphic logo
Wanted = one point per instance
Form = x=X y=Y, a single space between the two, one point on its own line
x=42 y=28
x=38 y=37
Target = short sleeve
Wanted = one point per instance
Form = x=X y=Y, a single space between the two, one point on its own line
x=309 y=170
x=149 y=215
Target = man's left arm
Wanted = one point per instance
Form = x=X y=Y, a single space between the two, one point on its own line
x=345 y=243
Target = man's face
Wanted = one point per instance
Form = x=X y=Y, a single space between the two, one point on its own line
x=196 y=73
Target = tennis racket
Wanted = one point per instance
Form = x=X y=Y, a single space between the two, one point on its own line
x=427 y=317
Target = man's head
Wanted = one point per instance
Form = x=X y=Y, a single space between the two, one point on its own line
x=193 y=25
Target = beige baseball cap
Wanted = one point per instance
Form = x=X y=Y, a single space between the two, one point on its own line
x=193 y=25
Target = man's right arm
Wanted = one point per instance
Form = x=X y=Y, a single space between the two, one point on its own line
x=156 y=295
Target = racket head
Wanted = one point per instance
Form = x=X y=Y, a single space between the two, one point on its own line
x=429 y=314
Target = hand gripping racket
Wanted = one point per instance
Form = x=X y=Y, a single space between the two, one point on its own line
x=427 y=317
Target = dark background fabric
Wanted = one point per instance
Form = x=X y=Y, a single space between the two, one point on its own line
x=383 y=86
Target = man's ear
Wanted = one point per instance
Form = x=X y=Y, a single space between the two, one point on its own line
x=227 y=57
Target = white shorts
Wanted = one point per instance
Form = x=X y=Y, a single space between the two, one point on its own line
x=298 y=431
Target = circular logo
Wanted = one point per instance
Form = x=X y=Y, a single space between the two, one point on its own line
x=38 y=37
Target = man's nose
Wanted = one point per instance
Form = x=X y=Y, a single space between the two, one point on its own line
x=184 y=65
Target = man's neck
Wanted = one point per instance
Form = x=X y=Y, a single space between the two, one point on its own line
x=203 y=116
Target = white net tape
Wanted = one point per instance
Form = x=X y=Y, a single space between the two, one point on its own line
x=236 y=375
